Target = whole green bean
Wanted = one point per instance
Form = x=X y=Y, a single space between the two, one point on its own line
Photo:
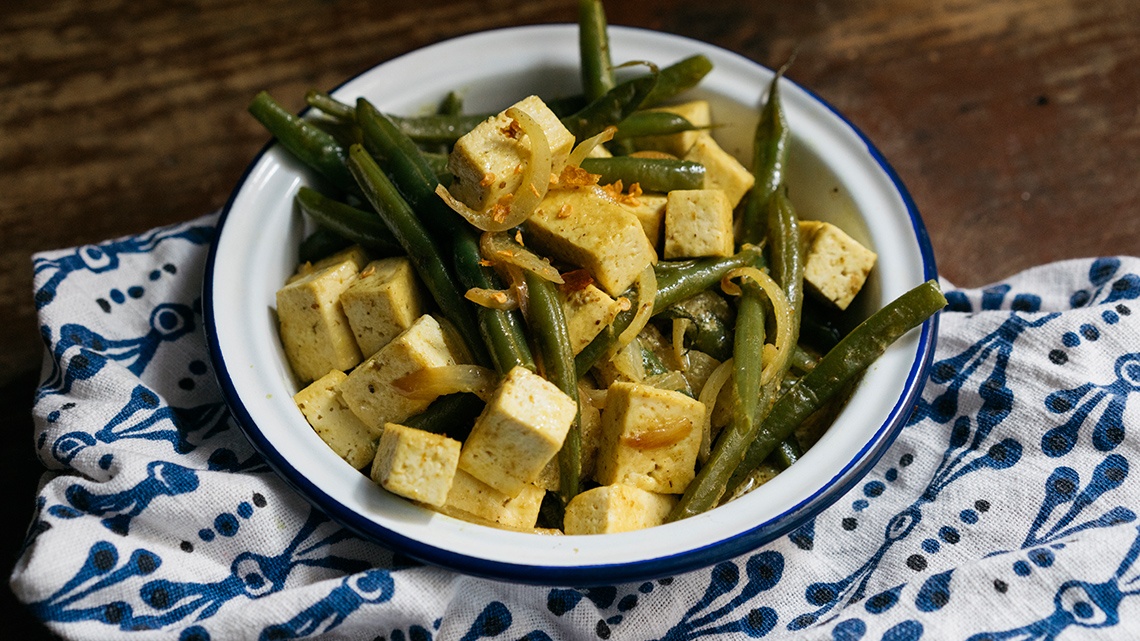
x=677 y=78
x=307 y=142
x=330 y=106
x=357 y=226
x=611 y=108
x=501 y=330
x=594 y=49
x=848 y=359
x=676 y=281
x=421 y=249
x=653 y=174
x=548 y=326
x=453 y=414
x=319 y=244
x=769 y=158
x=437 y=128
x=652 y=123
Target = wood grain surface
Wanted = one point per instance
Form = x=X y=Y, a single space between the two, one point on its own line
x=1015 y=124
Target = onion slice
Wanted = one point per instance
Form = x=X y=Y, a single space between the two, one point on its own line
x=709 y=395
x=646 y=293
x=583 y=149
x=780 y=309
x=500 y=299
x=431 y=382
x=498 y=247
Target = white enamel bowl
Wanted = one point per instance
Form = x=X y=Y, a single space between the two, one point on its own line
x=835 y=174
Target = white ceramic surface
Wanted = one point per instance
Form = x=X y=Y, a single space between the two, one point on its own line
x=835 y=174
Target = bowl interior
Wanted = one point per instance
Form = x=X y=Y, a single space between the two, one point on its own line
x=834 y=175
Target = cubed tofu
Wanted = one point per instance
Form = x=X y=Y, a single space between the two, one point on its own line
x=473 y=500
x=384 y=301
x=650 y=438
x=650 y=211
x=616 y=508
x=698 y=114
x=590 y=426
x=835 y=265
x=415 y=464
x=588 y=311
x=331 y=419
x=368 y=389
x=354 y=253
x=487 y=161
x=722 y=169
x=698 y=222
x=315 y=333
x=520 y=430
x=588 y=228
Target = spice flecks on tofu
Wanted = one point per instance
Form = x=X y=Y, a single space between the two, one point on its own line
x=314 y=330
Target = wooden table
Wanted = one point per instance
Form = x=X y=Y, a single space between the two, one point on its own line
x=1014 y=123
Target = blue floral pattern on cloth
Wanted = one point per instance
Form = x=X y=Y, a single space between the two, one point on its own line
x=1006 y=508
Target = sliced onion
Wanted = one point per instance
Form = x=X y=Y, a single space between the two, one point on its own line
x=659 y=434
x=431 y=382
x=594 y=397
x=781 y=310
x=646 y=293
x=583 y=149
x=501 y=299
x=513 y=209
x=709 y=394
x=629 y=362
x=498 y=247
x=672 y=380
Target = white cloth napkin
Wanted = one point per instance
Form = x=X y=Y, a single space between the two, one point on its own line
x=1006 y=509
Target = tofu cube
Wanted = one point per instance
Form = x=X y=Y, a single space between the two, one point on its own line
x=331 y=419
x=368 y=389
x=616 y=508
x=588 y=228
x=698 y=114
x=520 y=430
x=588 y=311
x=384 y=301
x=698 y=222
x=650 y=438
x=722 y=169
x=487 y=161
x=473 y=500
x=590 y=426
x=415 y=464
x=355 y=253
x=650 y=211
x=835 y=265
x=315 y=333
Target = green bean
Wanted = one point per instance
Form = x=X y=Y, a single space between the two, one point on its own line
x=357 y=226
x=453 y=414
x=330 y=106
x=594 y=49
x=848 y=359
x=321 y=243
x=501 y=331
x=676 y=281
x=769 y=157
x=711 y=320
x=437 y=128
x=451 y=105
x=421 y=249
x=750 y=400
x=678 y=78
x=611 y=108
x=548 y=326
x=307 y=142
x=652 y=123
x=653 y=174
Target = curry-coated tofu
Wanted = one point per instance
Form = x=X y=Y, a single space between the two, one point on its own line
x=487 y=161
x=590 y=428
x=698 y=222
x=588 y=228
x=368 y=389
x=354 y=253
x=588 y=311
x=650 y=211
x=473 y=500
x=698 y=114
x=616 y=508
x=650 y=438
x=331 y=419
x=415 y=464
x=315 y=333
x=722 y=169
x=384 y=301
x=520 y=430
x=835 y=265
